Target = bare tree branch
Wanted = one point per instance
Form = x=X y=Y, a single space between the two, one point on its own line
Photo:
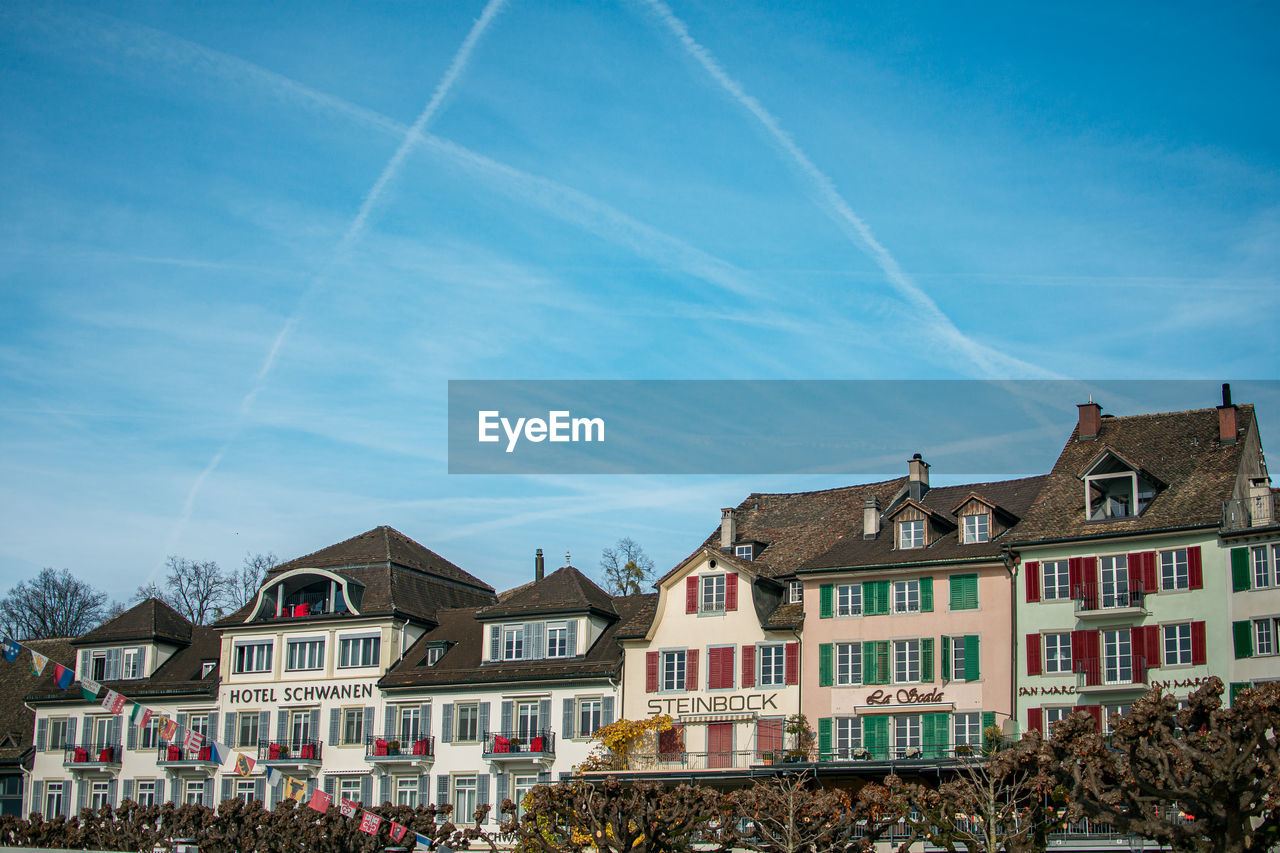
x=53 y=604
x=626 y=568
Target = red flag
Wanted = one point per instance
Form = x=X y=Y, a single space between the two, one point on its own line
x=193 y=741
x=369 y=823
x=168 y=729
x=320 y=801
x=397 y=831
x=348 y=808
x=113 y=702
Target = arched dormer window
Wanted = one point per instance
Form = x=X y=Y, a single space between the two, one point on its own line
x=306 y=592
x=1115 y=488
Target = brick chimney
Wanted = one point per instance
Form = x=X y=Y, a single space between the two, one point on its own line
x=917 y=477
x=728 y=528
x=1227 y=423
x=1090 y=419
x=539 y=566
x=870 y=517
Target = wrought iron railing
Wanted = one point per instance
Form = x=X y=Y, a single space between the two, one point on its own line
x=304 y=749
x=392 y=746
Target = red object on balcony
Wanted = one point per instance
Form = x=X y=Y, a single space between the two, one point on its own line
x=274 y=752
x=308 y=751
x=205 y=754
x=380 y=746
x=174 y=753
x=80 y=755
x=105 y=755
x=302 y=610
x=420 y=747
x=536 y=745
x=501 y=744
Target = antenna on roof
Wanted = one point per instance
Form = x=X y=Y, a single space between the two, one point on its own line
x=566 y=557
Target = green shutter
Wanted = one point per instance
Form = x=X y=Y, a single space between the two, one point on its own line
x=875 y=736
x=946 y=659
x=875 y=598
x=971 y=670
x=928 y=743
x=1236 y=688
x=824 y=738
x=826 y=601
x=869 y=662
x=882 y=662
x=988 y=720
x=826 y=664
x=1240 y=580
x=964 y=592
x=938 y=728
x=1243 y=635
x=926 y=658
x=926 y=595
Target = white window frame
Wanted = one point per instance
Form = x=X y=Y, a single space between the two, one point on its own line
x=434 y=654
x=1117 y=656
x=1175 y=572
x=907 y=733
x=408 y=723
x=465 y=794
x=352 y=726
x=977 y=528
x=771 y=664
x=1060 y=590
x=246 y=790
x=193 y=791
x=1114 y=581
x=355 y=649
x=246 y=722
x=906 y=596
x=966 y=729
x=99 y=793
x=1175 y=644
x=711 y=593
x=1053 y=714
x=911 y=534
x=589 y=716
x=406 y=791
x=528 y=719
x=145 y=792
x=309 y=649
x=251 y=656
x=522 y=784
x=957 y=657
x=300 y=727
x=849 y=599
x=744 y=552
x=795 y=592
x=513 y=642
x=1264 y=634
x=1262 y=567
x=906 y=661
x=60 y=725
x=349 y=788
x=473 y=722
x=132 y=663
x=558 y=640
x=673 y=672
x=54 y=798
x=848 y=664
x=1057 y=652
x=848 y=737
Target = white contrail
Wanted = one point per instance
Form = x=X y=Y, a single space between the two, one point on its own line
x=988 y=360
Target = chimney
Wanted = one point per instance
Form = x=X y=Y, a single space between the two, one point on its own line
x=917 y=477
x=539 y=567
x=1090 y=419
x=1227 y=426
x=870 y=517
x=728 y=528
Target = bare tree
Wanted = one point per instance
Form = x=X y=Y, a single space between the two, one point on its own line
x=197 y=590
x=53 y=604
x=242 y=586
x=788 y=814
x=627 y=569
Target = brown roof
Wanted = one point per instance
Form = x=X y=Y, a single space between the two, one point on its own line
x=1180 y=449
x=789 y=615
x=148 y=620
x=566 y=590
x=637 y=613
x=383 y=546
x=17 y=681
x=1013 y=497
x=177 y=676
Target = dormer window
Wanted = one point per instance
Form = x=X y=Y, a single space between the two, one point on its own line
x=558 y=640
x=911 y=534
x=977 y=528
x=513 y=642
x=796 y=593
x=434 y=654
x=207 y=667
x=745 y=552
x=1114 y=489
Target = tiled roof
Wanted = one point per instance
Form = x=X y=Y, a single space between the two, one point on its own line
x=1180 y=449
x=1014 y=497
x=637 y=613
x=566 y=590
x=17 y=681
x=148 y=620
x=383 y=545
x=786 y=616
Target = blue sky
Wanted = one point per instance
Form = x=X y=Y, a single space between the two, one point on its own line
x=245 y=246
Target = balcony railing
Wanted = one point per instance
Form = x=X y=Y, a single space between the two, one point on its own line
x=91 y=755
x=1257 y=511
x=1099 y=598
x=517 y=745
x=391 y=748
x=1101 y=674
x=174 y=753
x=290 y=751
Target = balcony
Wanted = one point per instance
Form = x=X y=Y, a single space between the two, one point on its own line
x=173 y=756
x=1109 y=600
x=388 y=749
x=520 y=746
x=88 y=756
x=1256 y=511
x=1099 y=675
x=303 y=752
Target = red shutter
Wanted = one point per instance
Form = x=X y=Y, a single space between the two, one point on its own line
x=1033 y=654
x=691 y=669
x=1138 y=645
x=1035 y=719
x=1079 y=650
x=1033 y=582
x=1151 y=583
x=1198 y=653
x=748 y=666
x=651 y=672
x=1073 y=576
x=731 y=591
x=1089 y=573
x=1094 y=711
x=793 y=663
x=1153 y=645
x=1195 y=571
x=720 y=668
x=691 y=594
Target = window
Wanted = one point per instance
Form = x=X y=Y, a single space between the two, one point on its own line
x=1108 y=710
x=977 y=528
x=1173 y=570
x=911 y=534
x=673 y=670
x=848 y=736
x=359 y=651
x=1057 y=652
x=246 y=790
x=1115 y=580
x=964 y=592
x=1262 y=574
x=848 y=664
x=528 y=721
x=407 y=791
x=468 y=722
x=1177 y=644
x=772 y=665
x=199 y=723
x=521 y=784
x=513 y=642
x=712 y=593
x=247 y=728
x=1052 y=715
x=304 y=655
x=589 y=716
x=1117 y=657
x=101 y=727
x=1054 y=578
x=207 y=667
x=433 y=655
x=906 y=661
x=1264 y=642
x=193 y=792
x=352 y=726
x=906 y=734
x=745 y=552
x=53 y=798
x=98 y=666
x=957 y=658
x=410 y=722
x=149 y=735
x=300 y=727
x=906 y=596
x=146 y=792
x=849 y=599
x=1114 y=490
x=464 y=797
x=349 y=788
x=558 y=640
x=796 y=592
x=252 y=657
x=58 y=733
x=132 y=664
x=967 y=729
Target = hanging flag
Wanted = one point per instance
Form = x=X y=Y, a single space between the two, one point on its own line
x=397 y=831
x=274 y=777
x=63 y=676
x=38 y=663
x=89 y=689
x=141 y=715
x=348 y=808
x=422 y=840
x=113 y=702
x=294 y=789
x=369 y=823
x=11 y=649
x=168 y=729
x=244 y=765
x=193 y=741
x=217 y=753
x=320 y=801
